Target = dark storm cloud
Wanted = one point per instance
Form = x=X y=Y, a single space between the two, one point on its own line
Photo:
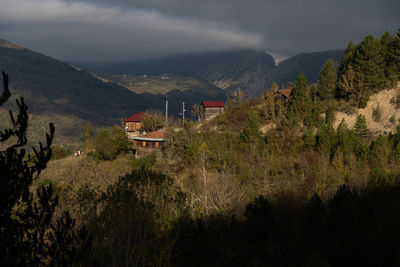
x=105 y=30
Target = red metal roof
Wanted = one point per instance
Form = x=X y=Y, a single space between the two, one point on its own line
x=138 y=117
x=213 y=104
x=157 y=134
x=286 y=92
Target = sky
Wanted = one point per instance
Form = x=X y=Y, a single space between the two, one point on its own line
x=124 y=30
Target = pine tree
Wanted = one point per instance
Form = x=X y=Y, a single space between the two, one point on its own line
x=394 y=56
x=251 y=132
x=360 y=126
x=327 y=81
x=300 y=102
x=348 y=58
x=390 y=69
x=369 y=63
x=27 y=237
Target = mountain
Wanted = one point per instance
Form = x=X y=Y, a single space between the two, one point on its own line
x=309 y=63
x=70 y=97
x=53 y=86
x=252 y=71
x=227 y=70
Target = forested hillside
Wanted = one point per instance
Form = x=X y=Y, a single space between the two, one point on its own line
x=269 y=181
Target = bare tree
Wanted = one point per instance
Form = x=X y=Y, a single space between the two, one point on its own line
x=238 y=96
x=202 y=159
x=198 y=111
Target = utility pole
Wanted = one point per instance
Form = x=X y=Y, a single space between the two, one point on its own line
x=183 y=113
x=166 y=112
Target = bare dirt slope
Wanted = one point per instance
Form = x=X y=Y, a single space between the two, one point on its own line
x=381 y=99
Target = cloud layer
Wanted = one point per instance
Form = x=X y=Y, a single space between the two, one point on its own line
x=115 y=30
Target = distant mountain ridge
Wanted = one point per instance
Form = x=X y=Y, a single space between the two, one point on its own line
x=252 y=71
x=227 y=70
x=51 y=85
x=58 y=92
x=308 y=63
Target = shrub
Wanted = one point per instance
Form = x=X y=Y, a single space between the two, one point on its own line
x=377 y=113
x=111 y=142
x=395 y=101
x=59 y=152
x=392 y=119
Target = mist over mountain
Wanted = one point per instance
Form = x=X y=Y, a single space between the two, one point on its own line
x=252 y=71
x=227 y=70
x=70 y=97
x=50 y=85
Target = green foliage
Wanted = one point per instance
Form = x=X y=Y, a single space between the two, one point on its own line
x=360 y=126
x=347 y=140
x=393 y=57
x=251 y=132
x=377 y=114
x=300 y=101
x=327 y=81
x=153 y=121
x=27 y=235
x=392 y=119
x=330 y=114
x=309 y=138
x=379 y=153
x=110 y=142
x=369 y=62
x=59 y=152
x=326 y=139
x=368 y=68
x=395 y=101
x=88 y=137
x=104 y=145
x=136 y=214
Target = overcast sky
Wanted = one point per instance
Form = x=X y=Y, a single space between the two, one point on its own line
x=121 y=30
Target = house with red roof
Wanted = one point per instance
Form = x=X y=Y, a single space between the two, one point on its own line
x=212 y=108
x=148 y=143
x=134 y=122
x=285 y=93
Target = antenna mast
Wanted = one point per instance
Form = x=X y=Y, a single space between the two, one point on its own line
x=166 y=112
x=183 y=113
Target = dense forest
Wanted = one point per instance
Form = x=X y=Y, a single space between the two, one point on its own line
x=269 y=182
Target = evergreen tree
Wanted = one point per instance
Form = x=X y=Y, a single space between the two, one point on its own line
x=390 y=70
x=300 y=102
x=251 y=132
x=327 y=81
x=369 y=63
x=326 y=139
x=348 y=58
x=394 y=57
x=360 y=127
x=346 y=139
x=27 y=237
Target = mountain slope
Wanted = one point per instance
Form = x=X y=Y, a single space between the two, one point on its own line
x=227 y=70
x=53 y=86
x=309 y=63
x=58 y=92
x=252 y=71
